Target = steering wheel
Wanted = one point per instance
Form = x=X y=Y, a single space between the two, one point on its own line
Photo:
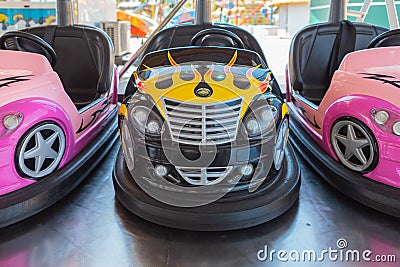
x=216 y=31
x=392 y=37
x=26 y=42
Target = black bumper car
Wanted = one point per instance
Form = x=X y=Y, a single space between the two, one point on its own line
x=204 y=131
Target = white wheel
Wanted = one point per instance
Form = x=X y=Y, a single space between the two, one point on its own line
x=40 y=150
x=354 y=145
x=281 y=144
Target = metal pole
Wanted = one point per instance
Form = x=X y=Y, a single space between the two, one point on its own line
x=65 y=15
x=203 y=11
x=338 y=10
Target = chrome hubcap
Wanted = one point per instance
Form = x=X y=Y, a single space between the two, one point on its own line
x=352 y=145
x=280 y=146
x=42 y=151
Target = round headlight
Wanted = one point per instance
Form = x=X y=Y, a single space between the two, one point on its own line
x=396 y=128
x=381 y=117
x=140 y=114
x=247 y=170
x=161 y=170
x=260 y=121
x=11 y=122
x=146 y=120
x=252 y=125
x=153 y=127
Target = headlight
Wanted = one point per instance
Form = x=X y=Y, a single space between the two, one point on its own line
x=11 y=122
x=146 y=120
x=139 y=115
x=381 y=117
x=396 y=128
x=153 y=127
x=388 y=120
x=252 y=125
x=247 y=170
x=260 y=120
x=161 y=170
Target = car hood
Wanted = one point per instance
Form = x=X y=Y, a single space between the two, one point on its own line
x=13 y=81
x=19 y=72
x=382 y=82
x=9 y=78
x=204 y=83
x=373 y=72
x=16 y=87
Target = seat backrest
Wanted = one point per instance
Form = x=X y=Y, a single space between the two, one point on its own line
x=85 y=56
x=317 y=51
x=180 y=36
x=389 y=38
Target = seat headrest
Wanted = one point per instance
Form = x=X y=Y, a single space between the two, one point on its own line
x=344 y=43
x=94 y=40
x=317 y=51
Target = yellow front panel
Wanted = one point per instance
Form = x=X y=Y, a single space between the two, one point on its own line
x=222 y=91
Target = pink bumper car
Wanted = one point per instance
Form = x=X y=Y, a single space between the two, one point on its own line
x=344 y=96
x=57 y=114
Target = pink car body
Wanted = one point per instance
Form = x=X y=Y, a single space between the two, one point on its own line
x=29 y=86
x=367 y=80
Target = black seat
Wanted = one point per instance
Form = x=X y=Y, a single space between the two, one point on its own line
x=85 y=62
x=317 y=51
x=180 y=36
x=389 y=38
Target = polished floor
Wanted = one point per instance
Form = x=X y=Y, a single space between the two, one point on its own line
x=89 y=228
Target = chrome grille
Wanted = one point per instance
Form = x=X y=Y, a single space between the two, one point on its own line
x=197 y=124
x=204 y=176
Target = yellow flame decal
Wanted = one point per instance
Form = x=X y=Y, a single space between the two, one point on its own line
x=223 y=90
x=233 y=60
x=136 y=76
x=177 y=82
x=261 y=85
x=172 y=61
